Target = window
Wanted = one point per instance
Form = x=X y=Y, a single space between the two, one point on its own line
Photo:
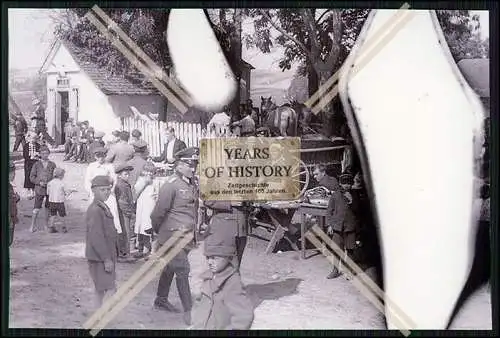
x=63 y=82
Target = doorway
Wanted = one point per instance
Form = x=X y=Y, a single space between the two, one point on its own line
x=62 y=115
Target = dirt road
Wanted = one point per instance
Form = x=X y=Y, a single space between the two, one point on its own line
x=51 y=287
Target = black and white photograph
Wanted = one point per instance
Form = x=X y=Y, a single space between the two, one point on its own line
x=391 y=230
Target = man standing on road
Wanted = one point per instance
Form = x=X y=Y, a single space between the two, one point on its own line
x=172 y=147
x=122 y=151
x=176 y=210
x=20 y=128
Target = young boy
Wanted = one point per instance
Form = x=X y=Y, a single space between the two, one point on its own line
x=13 y=200
x=101 y=240
x=341 y=225
x=57 y=196
x=125 y=201
x=223 y=304
x=146 y=190
x=41 y=173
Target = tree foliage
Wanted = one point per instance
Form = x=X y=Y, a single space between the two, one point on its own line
x=145 y=27
x=461 y=30
x=298 y=41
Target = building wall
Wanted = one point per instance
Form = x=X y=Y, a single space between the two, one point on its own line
x=143 y=103
x=87 y=101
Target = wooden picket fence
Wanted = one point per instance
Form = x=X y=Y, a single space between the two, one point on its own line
x=153 y=132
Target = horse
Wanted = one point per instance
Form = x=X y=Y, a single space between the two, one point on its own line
x=281 y=120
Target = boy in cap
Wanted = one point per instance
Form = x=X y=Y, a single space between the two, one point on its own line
x=224 y=304
x=13 y=200
x=41 y=173
x=101 y=240
x=341 y=224
x=125 y=200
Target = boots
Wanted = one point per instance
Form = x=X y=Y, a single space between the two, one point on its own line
x=163 y=304
x=186 y=299
x=334 y=274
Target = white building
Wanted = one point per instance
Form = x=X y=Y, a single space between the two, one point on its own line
x=83 y=91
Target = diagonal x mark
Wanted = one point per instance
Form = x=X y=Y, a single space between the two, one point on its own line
x=137 y=63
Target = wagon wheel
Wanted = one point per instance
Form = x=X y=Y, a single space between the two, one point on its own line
x=303 y=177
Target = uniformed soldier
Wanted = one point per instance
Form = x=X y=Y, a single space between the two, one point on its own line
x=176 y=210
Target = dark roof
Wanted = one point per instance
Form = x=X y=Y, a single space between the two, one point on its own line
x=477 y=74
x=110 y=84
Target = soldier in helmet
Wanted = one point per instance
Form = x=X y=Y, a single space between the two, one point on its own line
x=176 y=211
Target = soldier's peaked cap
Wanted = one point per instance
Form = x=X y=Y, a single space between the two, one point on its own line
x=187 y=155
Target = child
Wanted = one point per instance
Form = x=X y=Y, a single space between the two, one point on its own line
x=101 y=240
x=341 y=224
x=41 y=173
x=146 y=192
x=125 y=201
x=223 y=304
x=57 y=196
x=13 y=199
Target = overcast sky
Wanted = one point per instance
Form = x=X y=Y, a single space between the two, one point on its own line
x=30 y=35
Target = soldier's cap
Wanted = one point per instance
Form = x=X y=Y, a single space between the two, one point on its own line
x=116 y=133
x=136 y=133
x=140 y=146
x=101 y=181
x=220 y=243
x=85 y=122
x=12 y=166
x=99 y=134
x=189 y=155
x=100 y=151
x=121 y=167
x=91 y=129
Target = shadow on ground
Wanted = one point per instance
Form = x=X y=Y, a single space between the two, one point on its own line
x=272 y=291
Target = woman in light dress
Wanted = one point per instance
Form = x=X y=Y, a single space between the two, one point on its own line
x=99 y=167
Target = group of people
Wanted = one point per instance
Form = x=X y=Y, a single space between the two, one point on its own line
x=165 y=210
x=244 y=122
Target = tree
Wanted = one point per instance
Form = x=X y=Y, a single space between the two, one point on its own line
x=145 y=27
x=461 y=30
x=318 y=39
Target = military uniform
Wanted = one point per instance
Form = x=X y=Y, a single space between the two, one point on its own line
x=223 y=304
x=175 y=210
x=225 y=212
